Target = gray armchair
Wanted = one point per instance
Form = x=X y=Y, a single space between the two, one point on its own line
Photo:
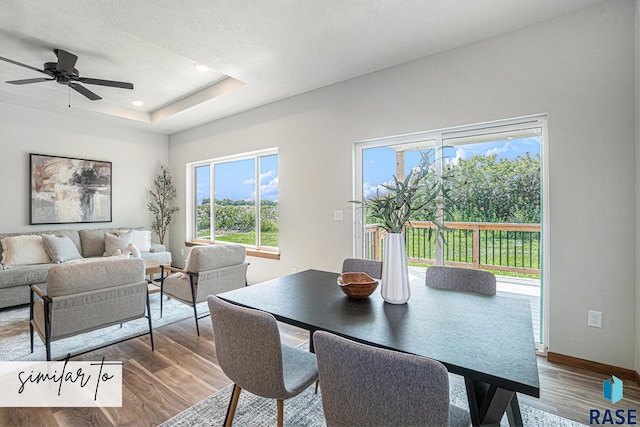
x=86 y=296
x=357 y=265
x=368 y=386
x=250 y=353
x=209 y=270
x=461 y=279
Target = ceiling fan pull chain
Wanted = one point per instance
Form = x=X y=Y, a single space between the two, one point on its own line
x=69 y=90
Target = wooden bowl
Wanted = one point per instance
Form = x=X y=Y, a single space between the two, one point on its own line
x=357 y=285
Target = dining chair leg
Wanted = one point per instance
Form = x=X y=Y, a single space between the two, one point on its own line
x=233 y=402
x=317 y=383
x=280 y=412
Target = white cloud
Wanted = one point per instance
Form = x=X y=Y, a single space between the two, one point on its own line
x=461 y=154
x=263 y=176
x=369 y=191
x=269 y=188
x=498 y=150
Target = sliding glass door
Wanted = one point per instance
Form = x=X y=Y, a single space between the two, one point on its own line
x=493 y=214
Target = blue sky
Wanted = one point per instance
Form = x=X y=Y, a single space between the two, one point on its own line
x=236 y=180
x=379 y=163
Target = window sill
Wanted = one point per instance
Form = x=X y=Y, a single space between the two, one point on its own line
x=258 y=253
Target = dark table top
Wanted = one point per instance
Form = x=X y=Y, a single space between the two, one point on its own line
x=485 y=338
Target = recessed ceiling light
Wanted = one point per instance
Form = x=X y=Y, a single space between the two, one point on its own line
x=137 y=103
x=200 y=67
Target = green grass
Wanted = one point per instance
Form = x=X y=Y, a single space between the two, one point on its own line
x=269 y=238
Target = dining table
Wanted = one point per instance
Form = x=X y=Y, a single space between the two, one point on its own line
x=487 y=339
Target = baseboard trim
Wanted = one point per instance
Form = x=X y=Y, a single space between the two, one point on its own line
x=601 y=368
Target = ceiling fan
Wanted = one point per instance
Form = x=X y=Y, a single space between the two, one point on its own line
x=64 y=73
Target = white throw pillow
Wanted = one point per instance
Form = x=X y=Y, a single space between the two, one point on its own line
x=115 y=245
x=23 y=250
x=141 y=239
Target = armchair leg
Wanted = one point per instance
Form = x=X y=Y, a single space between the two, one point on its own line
x=150 y=326
x=31 y=318
x=193 y=299
x=233 y=403
x=280 y=412
x=195 y=314
x=161 y=287
x=47 y=327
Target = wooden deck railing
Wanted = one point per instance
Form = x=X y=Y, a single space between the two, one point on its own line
x=485 y=245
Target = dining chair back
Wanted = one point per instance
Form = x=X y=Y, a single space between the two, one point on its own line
x=358 y=265
x=368 y=386
x=461 y=279
x=250 y=353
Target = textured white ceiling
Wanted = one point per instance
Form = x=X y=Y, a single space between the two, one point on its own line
x=277 y=48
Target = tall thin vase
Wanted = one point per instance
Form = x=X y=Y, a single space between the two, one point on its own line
x=395 y=273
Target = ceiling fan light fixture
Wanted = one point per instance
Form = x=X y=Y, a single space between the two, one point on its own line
x=137 y=103
x=200 y=67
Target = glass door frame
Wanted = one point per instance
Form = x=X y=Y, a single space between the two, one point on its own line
x=535 y=121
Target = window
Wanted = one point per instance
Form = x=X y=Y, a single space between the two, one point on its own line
x=244 y=206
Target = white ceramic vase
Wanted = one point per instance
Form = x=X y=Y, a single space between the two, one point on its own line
x=395 y=272
x=133 y=250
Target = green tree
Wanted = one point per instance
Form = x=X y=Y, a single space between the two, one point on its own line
x=161 y=203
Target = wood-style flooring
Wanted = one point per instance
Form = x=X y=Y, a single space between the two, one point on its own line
x=183 y=370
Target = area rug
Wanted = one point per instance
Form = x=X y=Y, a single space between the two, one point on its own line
x=14 y=331
x=305 y=410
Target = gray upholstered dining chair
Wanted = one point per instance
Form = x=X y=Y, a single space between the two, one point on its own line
x=368 y=386
x=358 y=265
x=461 y=279
x=209 y=270
x=250 y=353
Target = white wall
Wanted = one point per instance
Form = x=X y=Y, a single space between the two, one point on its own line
x=579 y=69
x=136 y=157
x=637 y=93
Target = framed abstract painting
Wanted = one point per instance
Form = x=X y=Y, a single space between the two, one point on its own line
x=67 y=190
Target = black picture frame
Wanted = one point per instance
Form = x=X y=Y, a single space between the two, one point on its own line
x=66 y=190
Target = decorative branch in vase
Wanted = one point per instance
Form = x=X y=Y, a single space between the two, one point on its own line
x=419 y=196
x=161 y=203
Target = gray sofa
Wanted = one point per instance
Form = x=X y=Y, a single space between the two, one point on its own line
x=15 y=281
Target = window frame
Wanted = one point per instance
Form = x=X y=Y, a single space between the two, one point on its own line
x=272 y=252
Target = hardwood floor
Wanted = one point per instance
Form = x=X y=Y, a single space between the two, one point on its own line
x=183 y=370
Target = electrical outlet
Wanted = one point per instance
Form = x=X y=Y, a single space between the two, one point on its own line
x=294 y=269
x=594 y=319
x=338 y=215
x=181 y=251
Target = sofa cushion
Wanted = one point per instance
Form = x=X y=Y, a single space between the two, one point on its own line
x=23 y=250
x=60 y=249
x=116 y=244
x=24 y=275
x=141 y=238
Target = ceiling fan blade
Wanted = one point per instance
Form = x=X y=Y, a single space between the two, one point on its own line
x=66 y=61
x=110 y=83
x=28 y=81
x=84 y=91
x=23 y=65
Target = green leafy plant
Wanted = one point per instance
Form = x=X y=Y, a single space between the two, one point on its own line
x=417 y=197
x=160 y=205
